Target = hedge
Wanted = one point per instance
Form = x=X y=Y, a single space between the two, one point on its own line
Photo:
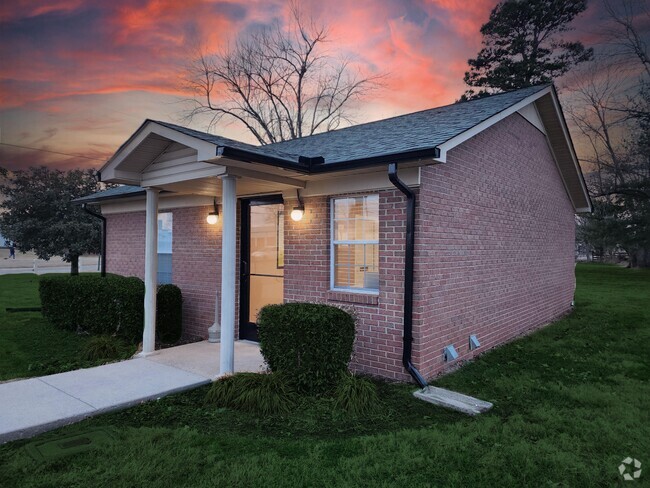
x=311 y=344
x=113 y=305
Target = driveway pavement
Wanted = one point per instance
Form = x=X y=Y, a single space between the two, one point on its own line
x=29 y=407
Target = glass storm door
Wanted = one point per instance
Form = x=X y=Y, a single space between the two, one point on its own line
x=262 y=263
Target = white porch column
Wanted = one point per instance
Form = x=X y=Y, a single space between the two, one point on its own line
x=228 y=257
x=150 y=271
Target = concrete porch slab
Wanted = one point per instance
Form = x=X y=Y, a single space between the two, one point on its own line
x=202 y=358
x=453 y=400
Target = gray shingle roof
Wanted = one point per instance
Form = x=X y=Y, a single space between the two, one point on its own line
x=110 y=193
x=410 y=132
x=419 y=131
x=267 y=150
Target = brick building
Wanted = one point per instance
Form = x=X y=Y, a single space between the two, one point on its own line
x=434 y=226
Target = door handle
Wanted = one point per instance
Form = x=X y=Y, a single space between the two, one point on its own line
x=244 y=268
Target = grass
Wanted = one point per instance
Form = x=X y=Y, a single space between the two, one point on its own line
x=29 y=345
x=571 y=401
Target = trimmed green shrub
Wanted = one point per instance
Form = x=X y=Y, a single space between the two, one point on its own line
x=113 y=305
x=169 y=314
x=264 y=394
x=356 y=395
x=311 y=344
x=101 y=347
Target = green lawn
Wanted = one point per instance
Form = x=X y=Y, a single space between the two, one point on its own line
x=571 y=401
x=29 y=345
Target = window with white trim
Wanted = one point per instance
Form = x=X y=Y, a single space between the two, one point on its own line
x=165 y=222
x=355 y=243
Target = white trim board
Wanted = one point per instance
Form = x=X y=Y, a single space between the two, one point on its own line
x=445 y=147
x=165 y=202
x=529 y=112
x=111 y=171
x=528 y=109
x=340 y=183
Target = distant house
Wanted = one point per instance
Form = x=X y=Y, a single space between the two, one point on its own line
x=434 y=226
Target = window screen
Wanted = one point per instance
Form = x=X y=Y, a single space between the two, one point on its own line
x=355 y=243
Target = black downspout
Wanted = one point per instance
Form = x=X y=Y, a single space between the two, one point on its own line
x=409 y=252
x=103 y=248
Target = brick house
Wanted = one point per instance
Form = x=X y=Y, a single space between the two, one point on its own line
x=434 y=226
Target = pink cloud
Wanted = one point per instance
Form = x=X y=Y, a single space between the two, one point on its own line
x=72 y=63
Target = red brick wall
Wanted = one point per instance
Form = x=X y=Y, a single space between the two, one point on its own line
x=196 y=266
x=494 y=254
x=378 y=348
x=494 y=244
x=196 y=259
x=125 y=244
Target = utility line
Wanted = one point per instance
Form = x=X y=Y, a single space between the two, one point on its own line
x=53 y=152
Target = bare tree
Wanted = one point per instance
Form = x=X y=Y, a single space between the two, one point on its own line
x=278 y=83
x=624 y=34
x=613 y=117
x=594 y=93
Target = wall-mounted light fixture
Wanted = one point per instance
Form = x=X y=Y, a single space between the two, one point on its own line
x=213 y=217
x=298 y=211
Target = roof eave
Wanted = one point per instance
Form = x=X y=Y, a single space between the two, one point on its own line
x=549 y=90
x=583 y=184
x=103 y=199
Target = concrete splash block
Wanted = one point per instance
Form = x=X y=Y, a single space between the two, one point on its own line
x=453 y=400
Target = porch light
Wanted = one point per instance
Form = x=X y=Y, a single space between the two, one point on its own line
x=299 y=211
x=213 y=217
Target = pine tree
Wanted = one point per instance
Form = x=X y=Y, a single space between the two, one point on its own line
x=522 y=46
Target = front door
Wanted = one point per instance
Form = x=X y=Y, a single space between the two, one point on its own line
x=262 y=260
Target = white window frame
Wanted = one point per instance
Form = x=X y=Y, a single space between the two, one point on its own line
x=333 y=242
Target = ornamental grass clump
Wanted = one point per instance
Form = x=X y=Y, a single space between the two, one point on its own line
x=101 y=347
x=263 y=394
x=356 y=395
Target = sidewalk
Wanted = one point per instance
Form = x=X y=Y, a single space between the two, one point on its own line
x=32 y=406
x=29 y=263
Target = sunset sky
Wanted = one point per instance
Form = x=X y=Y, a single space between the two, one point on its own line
x=79 y=77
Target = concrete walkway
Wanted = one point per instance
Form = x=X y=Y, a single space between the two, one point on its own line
x=29 y=407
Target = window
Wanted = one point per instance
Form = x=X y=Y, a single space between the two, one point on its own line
x=165 y=248
x=355 y=243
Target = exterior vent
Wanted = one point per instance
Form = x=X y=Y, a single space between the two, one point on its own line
x=449 y=353
x=473 y=342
